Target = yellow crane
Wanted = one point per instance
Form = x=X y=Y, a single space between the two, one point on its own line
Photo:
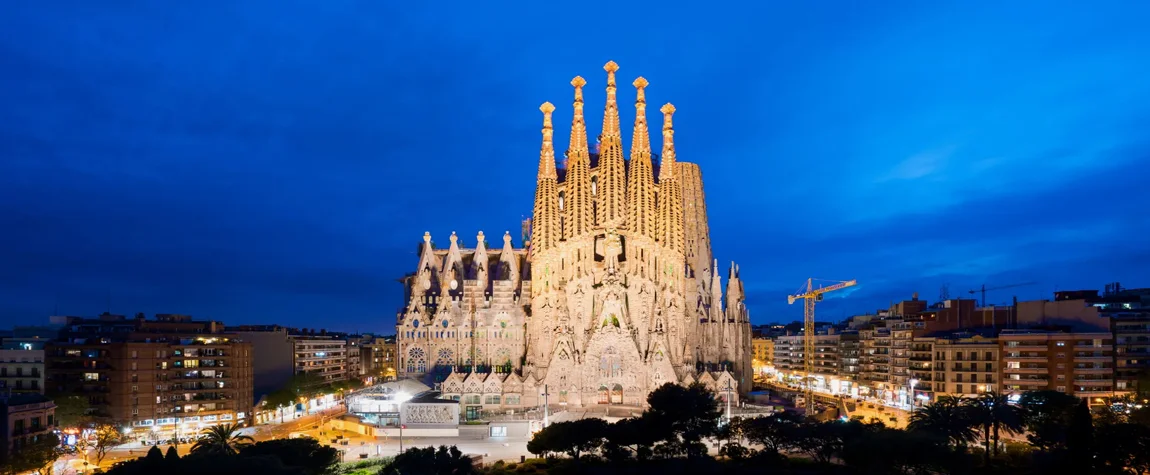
x=811 y=295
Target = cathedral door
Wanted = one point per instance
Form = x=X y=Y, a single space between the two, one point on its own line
x=617 y=394
x=604 y=395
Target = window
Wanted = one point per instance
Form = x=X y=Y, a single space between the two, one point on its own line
x=135 y=354
x=1062 y=377
x=1061 y=365
x=958 y=388
x=1061 y=389
x=135 y=388
x=989 y=356
x=499 y=431
x=1060 y=343
x=135 y=411
x=1060 y=355
x=134 y=368
x=91 y=376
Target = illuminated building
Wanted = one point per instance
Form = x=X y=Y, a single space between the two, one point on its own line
x=615 y=294
x=168 y=374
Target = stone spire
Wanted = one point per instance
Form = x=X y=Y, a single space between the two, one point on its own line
x=545 y=232
x=611 y=191
x=640 y=180
x=670 y=202
x=577 y=207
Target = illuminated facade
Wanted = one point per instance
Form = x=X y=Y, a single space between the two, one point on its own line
x=615 y=294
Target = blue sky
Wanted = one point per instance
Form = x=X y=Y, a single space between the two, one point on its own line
x=277 y=161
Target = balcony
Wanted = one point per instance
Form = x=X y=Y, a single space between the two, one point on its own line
x=1027 y=347
x=1093 y=370
x=1027 y=382
x=1093 y=382
x=1026 y=370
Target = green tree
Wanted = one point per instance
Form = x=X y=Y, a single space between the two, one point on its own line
x=281 y=399
x=629 y=437
x=304 y=453
x=570 y=437
x=1080 y=439
x=72 y=411
x=430 y=461
x=683 y=416
x=105 y=437
x=946 y=418
x=171 y=456
x=1123 y=448
x=154 y=455
x=222 y=439
x=39 y=455
x=994 y=414
x=775 y=433
x=1047 y=415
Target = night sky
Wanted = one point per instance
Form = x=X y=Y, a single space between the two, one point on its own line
x=274 y=161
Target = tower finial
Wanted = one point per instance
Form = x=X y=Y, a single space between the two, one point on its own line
x=578 y=123
x=611 y=111
x=547 y=152
x=640 y=179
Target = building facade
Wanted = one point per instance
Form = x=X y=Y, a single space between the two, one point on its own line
x=21 y=371
x=169 y=374
x=26 y=417
x=1080 y=364
x=615 y=294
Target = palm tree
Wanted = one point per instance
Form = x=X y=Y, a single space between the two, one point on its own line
x=222 y=439
x=946 y=417
x=994 y=413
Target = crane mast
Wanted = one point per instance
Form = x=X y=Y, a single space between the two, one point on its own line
x=811 y=295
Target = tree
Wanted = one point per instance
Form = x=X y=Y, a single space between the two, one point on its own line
x=281 y=399
x=171 y=456
x=993 y=412
x=1047 y=415
x=105 y=437
x=1080 y=439
x=305 y=453
x=1123 y=448
x=430 y=461
x=629 y=436
x=775 y=433
x=39 y=455
x=154 y=455
x=570 y=437
x=946 y=418
x=72 y=411
x=683 y=416
x=222 y=439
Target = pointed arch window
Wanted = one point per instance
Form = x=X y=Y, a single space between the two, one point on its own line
x=610 y=363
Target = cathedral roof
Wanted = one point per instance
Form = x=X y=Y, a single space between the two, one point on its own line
x=561 y=170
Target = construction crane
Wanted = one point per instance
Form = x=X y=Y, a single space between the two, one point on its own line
x=984 y=288
x=811 y=295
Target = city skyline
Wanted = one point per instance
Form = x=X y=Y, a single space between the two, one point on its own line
x=218 y=164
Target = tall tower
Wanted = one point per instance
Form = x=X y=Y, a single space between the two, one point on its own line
x=640 y=180
x=577 y=209
x=611 y=212
x=545 y=218
x=670 y=201
x=696 y=233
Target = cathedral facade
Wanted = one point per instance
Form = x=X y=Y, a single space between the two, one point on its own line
x=614 y=293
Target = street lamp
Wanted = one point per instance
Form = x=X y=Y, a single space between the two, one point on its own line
x=910 y=398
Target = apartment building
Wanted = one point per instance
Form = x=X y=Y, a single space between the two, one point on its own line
x=875 y=361
x=377 y=356
x=788 y=358
x=1081 y=364
x=966 y=365
x=323 y=356
x=762 y=354
x=169 y=374
x=24 y=418
x=22 y=371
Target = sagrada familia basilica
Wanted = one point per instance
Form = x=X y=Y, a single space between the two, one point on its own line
x=614 y=293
